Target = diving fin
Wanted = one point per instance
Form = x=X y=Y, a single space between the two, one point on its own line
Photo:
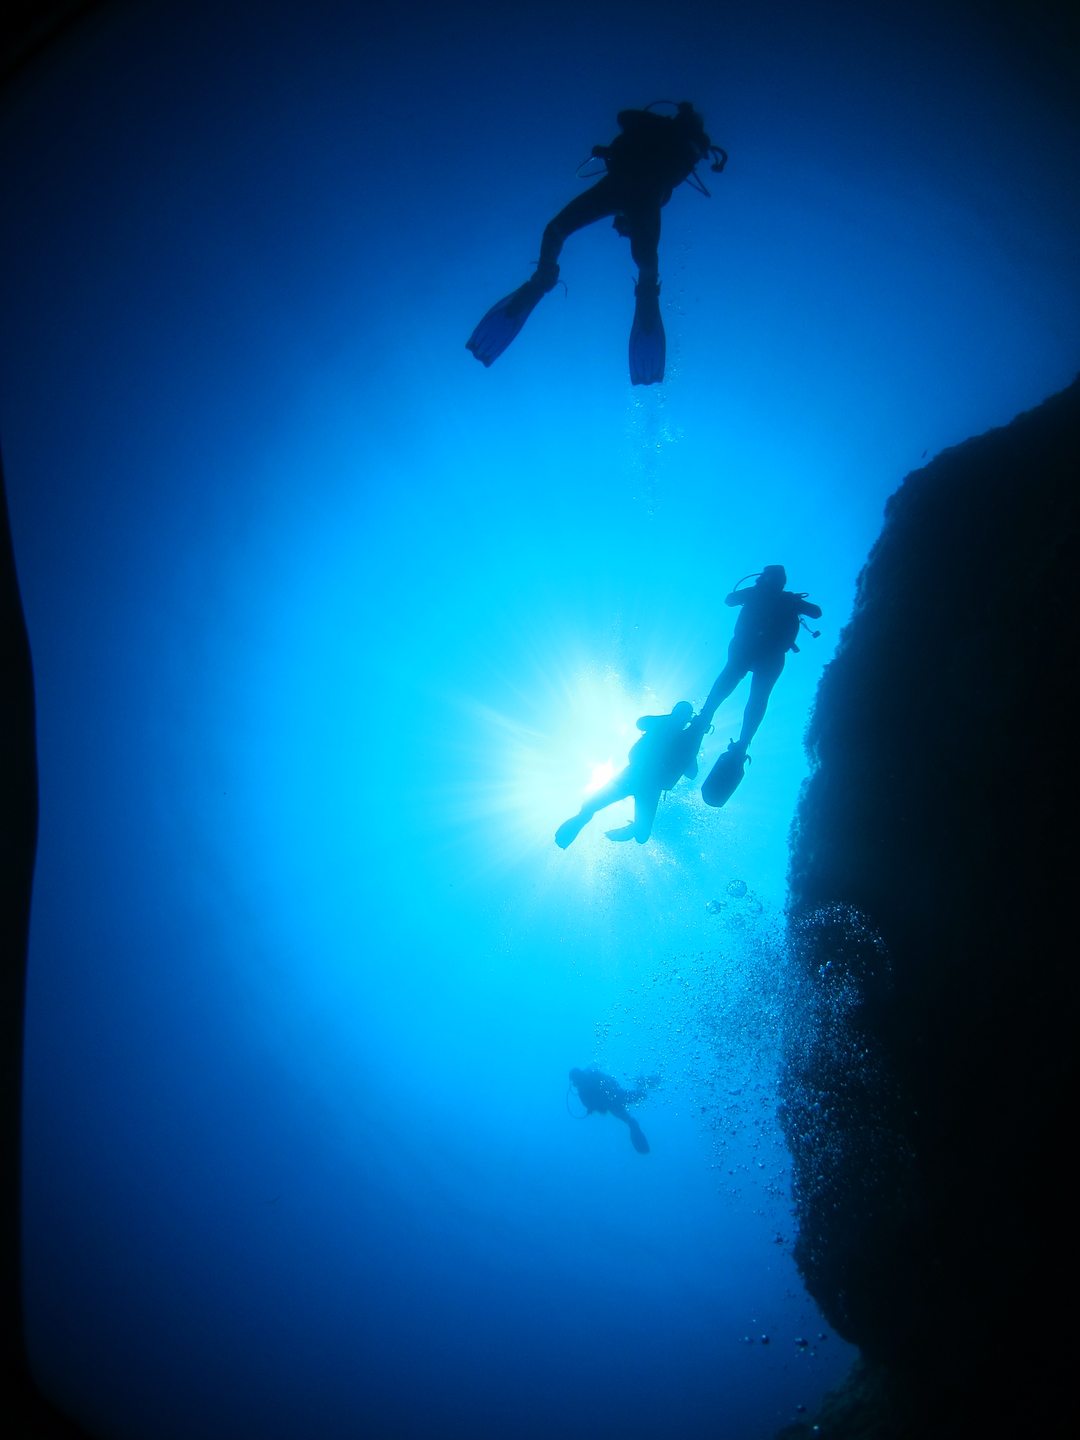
x=569 y=830
x=637 y=1136
x=624 y=832
x=504 y=320
x=648 y=344
x=725 y=776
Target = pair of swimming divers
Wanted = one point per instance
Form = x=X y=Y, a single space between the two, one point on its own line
x=652 y=154
x=767 y=627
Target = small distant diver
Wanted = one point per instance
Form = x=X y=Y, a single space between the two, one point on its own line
x=765 y=631
x=666 y=752
x=643 y=165
x=601 y=1095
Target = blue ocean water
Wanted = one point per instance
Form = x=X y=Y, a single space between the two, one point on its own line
x=332 y=627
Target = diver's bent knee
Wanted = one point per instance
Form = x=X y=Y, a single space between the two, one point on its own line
x=552 y=241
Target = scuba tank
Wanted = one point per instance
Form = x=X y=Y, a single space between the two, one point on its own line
x=687 y=119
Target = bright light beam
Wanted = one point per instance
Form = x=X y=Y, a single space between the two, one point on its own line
x=524 y=779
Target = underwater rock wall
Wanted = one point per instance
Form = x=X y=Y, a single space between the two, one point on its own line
x=927 y=1093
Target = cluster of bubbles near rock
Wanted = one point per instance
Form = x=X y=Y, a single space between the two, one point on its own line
x=711 y=1023
x=736 y=1027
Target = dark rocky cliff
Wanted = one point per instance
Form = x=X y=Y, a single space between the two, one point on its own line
x=928 y=1093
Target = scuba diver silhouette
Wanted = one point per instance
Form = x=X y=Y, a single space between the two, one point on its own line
x=601 y=1095
x=665 y=753
x=764 y=632
x=643 y=164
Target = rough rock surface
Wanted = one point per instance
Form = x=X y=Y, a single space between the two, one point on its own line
x=928 y=1090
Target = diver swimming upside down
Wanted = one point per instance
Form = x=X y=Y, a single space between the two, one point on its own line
x=666 y=752
x=644 y=163
x=601 y=1095
x=767 y=628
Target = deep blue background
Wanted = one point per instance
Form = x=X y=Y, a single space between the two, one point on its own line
x=331 y=627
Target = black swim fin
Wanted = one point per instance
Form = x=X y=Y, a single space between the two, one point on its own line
x=725 y=776
x=637 y=1136
x=648 y=344
x=624 y=832
x=504 y=320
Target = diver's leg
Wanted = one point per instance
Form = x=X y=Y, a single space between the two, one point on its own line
x=722 y=687
x=637 y=1136
x=644 y=227
x=583 y=210
x=617 y=789
x=503 y=322
x=629 y=830
x=726 y=775
x=645 y=805
x=764 y=678
x=646 y=795
x=648 y=343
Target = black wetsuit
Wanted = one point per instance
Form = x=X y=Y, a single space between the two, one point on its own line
x=764 y=632
x=652 y=155
x=666 y=751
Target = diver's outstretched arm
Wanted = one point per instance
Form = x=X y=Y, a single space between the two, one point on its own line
x=617 y=789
